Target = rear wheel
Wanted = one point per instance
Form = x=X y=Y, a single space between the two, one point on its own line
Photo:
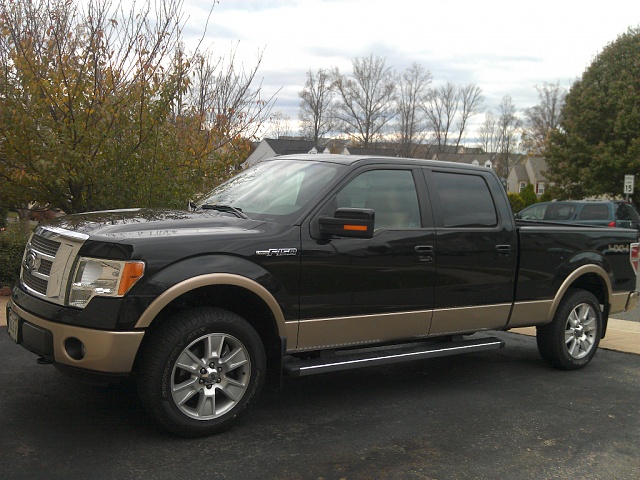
x=570 y=341
x=200 y=370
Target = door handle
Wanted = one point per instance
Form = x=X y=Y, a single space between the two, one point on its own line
x=504 y=250
x=425 y=253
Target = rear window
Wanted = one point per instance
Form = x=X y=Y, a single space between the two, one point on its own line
x=465 y=201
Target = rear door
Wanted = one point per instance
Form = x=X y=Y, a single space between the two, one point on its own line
x=476 y=251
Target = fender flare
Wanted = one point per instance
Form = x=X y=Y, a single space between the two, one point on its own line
x=573 y=276
x=206 y=280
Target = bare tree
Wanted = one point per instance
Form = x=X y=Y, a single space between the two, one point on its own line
x=489 y=134
x=441 y=108
x=316 y=113
x=471 y=100
x=280 y=125
x=413 y=92
x=366 y=99
x=229 y=98
x=508 y=126
x=448 y=110
x=543 y=118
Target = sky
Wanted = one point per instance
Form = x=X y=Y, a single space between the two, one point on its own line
x=504 y=47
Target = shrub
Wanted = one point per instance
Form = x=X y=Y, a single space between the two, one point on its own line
x=516 y=202
x=528 y=195
x=13 y=239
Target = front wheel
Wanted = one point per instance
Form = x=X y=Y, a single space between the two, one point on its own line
x=200 y=370
x=570 y=341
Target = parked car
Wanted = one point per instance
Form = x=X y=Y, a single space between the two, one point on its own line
x=610 y=213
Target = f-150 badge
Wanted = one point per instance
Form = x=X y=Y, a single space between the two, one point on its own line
x=277 y=252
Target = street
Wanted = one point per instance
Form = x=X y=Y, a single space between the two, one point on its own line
x=499 y=414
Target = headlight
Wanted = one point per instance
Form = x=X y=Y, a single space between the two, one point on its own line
x=105 y=278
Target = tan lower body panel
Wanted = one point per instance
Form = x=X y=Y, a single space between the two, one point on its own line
x=109 y=352
x=469 y=319
x=326 y=333
x=342 y=332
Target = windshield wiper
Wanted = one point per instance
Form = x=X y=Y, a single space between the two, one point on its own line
x=224 y=208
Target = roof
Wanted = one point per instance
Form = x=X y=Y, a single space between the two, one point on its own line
x=352 y=159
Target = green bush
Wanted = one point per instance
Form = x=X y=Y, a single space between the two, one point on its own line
x=516 y=202
x=528 y=195
x=13 y=239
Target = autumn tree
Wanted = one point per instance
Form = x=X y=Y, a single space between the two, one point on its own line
x=97 y=107
x=365 y=103
x=316 y=114
x=598 y=141
x=413 y=91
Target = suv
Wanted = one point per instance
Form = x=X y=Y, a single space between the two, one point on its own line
x=590 y=212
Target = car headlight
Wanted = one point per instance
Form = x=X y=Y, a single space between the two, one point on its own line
x=105 y=278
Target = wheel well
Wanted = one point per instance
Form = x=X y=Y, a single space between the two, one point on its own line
x=232 y=298
x=593 y=283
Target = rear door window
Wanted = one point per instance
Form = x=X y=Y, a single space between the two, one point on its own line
x=560 y=211
x=465 y=201
x=596 y=211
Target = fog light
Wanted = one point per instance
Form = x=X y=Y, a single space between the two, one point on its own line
x=74 y=348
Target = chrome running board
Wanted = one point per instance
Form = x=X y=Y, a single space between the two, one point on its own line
x=346 y=360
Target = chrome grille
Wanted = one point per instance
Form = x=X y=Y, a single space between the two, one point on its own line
x=36 y=284
x=48 y=260
x=44 y=245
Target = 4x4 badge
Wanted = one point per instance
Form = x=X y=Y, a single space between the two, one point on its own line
x=277 y=252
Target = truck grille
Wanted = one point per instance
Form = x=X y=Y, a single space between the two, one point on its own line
x=44 y=245
x=48 y=260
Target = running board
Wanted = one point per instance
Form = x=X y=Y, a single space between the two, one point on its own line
x=297 y=367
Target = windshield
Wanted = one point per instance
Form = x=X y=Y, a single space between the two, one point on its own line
x=271 y=189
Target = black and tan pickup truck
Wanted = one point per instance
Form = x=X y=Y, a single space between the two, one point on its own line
x=310 y=264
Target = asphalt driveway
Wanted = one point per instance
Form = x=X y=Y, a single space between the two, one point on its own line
x=498 y=414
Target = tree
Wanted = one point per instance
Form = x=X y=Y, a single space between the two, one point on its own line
x=508 y=131
x=543 y=118
x=280 y=125
x=489 y=134
x=413 y=89
x=471 y=100
x=365 y=99
x=448 y=109
x=599 y=137
x=316 y=113
x=97 y=110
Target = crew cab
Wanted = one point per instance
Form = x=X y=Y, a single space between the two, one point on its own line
x=309 y=264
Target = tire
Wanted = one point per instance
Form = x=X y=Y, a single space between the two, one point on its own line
x=200 y=370
x=570 y=341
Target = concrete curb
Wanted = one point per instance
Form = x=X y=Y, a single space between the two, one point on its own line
x=622 y=335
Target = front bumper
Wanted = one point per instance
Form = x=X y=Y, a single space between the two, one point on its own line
x=78 y=347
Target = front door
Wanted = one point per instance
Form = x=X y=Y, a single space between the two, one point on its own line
x=377 y=289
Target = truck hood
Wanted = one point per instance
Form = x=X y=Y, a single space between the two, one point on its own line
x=114 y=225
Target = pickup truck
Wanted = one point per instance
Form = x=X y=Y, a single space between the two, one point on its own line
x=310 y=264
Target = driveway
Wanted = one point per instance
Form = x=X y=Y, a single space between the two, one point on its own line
x=498 y=414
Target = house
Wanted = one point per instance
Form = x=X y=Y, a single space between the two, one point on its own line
x=272 y=147
x=530 y=172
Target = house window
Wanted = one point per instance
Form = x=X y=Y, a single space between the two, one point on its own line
x=540 y=188
x=522 y=186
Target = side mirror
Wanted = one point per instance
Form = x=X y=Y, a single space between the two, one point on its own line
x=349 y=222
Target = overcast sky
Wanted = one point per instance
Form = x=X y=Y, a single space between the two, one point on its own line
x=505 y=47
